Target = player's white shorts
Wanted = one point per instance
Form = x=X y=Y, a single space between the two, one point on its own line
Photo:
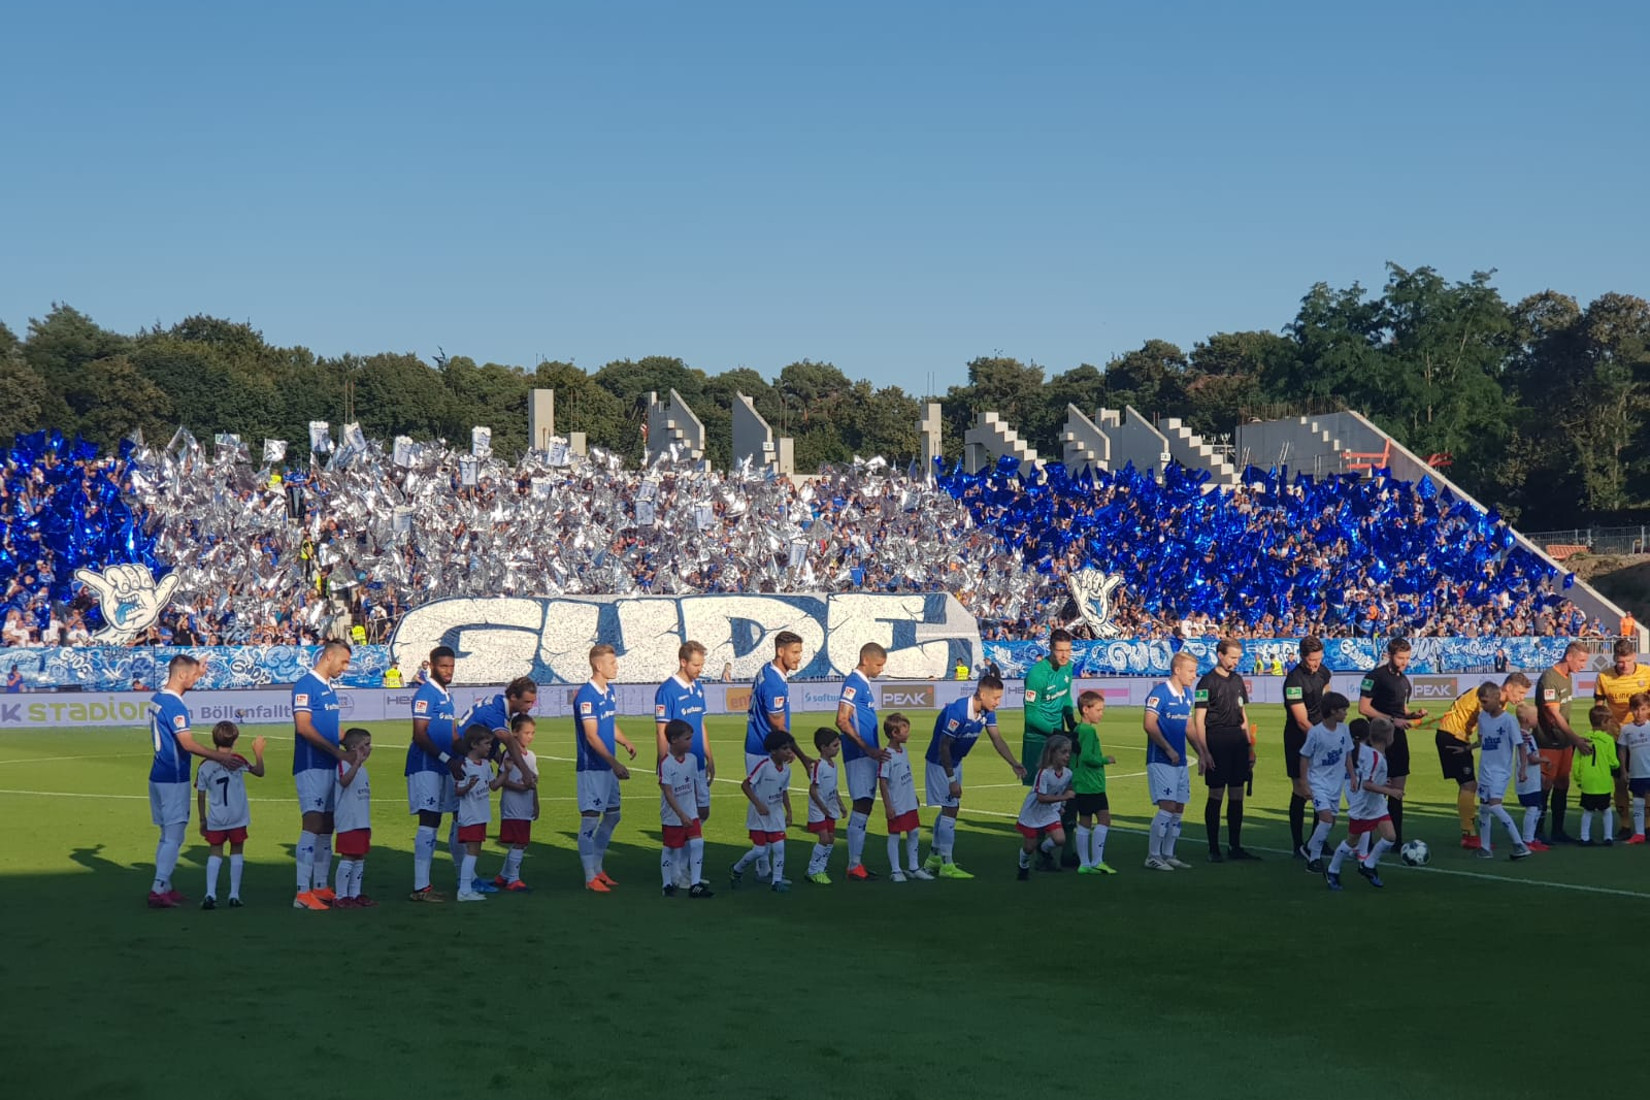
x=701 y=788
x=1493 y=784
x=1328 y=798
x=169 y=803
x=598 y=793
x=939 y=784
x=449 y=794
x=314 y=790
x=424 y=793
x=862 y=779
x=1169 y=782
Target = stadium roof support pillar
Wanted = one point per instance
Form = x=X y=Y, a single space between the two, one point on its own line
x=930 y=433
x=541 y=419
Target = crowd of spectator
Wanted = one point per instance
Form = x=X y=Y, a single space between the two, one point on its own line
x=344 y=550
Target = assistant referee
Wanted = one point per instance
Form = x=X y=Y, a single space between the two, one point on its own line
x=1303 y=692
x=1385 y=694
x=1222 y=724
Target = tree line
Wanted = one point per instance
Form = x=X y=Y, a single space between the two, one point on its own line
x=1541 y=404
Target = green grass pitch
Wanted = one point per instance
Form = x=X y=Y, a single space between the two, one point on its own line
x=1223 y=981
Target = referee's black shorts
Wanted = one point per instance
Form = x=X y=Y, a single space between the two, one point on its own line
x=1455 y=758
x=1229 y=752
x=1293 y=741
x=1397 y=754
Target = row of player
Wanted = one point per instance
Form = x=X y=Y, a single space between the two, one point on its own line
x=437 y=768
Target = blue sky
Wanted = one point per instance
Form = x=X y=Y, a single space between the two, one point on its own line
x=894 y=187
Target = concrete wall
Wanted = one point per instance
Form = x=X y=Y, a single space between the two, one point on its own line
x=991 y=438
x=753 y=439
x=1134 y=439
x=1082 y=442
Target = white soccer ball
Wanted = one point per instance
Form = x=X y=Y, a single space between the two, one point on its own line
x=1415 y=853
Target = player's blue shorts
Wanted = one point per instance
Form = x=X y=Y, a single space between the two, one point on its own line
x=1533 y=798
x=1639 y=787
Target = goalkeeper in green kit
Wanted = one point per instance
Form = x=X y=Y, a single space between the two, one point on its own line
x=1049 y=710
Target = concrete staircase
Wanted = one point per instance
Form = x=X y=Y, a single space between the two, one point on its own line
x=1189 y=449
x=1083 y=443
x=990 y=439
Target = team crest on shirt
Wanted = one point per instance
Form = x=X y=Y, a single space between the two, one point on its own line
x=179 y=722
x=421 y=707
x=300 y=700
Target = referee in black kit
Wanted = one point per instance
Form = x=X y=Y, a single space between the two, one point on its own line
x=1385 y=694
x=1303 y=692
x=1222 y=725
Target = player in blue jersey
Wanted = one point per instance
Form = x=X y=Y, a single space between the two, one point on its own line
x=862 y=755
x=169 y=779
x=1168 y=725
x=315 y=755
x=599 y=772
x=956 y=729
x=770 y=707
x=429 y=766
x=682 y=697
x=497 y=713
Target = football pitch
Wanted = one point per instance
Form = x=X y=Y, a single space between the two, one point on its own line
x=1232 y=980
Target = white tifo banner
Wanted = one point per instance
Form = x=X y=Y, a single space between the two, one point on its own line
x=273 y=706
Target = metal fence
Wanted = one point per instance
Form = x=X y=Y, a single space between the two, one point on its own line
x=1598 y=540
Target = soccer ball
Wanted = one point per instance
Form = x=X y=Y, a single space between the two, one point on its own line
x=1415 y=853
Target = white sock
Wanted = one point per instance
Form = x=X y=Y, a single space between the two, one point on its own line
x=1586 y=825
x=679 y=867
x=604 y=835
x=306 y=862
x=1097 y=844
x=214 y=864
x=587 y=845
x=893 y=852
x=1382 y=847
x=1532 y=817
x=237 y=864
x=1501 y=815
x=820 y=858
x=467 y=873
x=1638 y=816
x=1159 y=835
x=945 y=837
x=912 y=843
x=1342 y=850
x=776 y=857
x=757 y=855
x=856 y=837
x=360 y=877
x=1484 y=843
x=667 y=865
x=1083 y=839
x=1025 y=860
x=1320 y=833
x=346 y=874
x=1173 y=835
x=423 y=856
x=696 y=860
x=323 y=859
x=170 y=848
x=512 y=864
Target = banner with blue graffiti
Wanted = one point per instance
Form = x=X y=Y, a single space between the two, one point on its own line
x=1136 y=657
x=122 y=668
x=125 y=668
